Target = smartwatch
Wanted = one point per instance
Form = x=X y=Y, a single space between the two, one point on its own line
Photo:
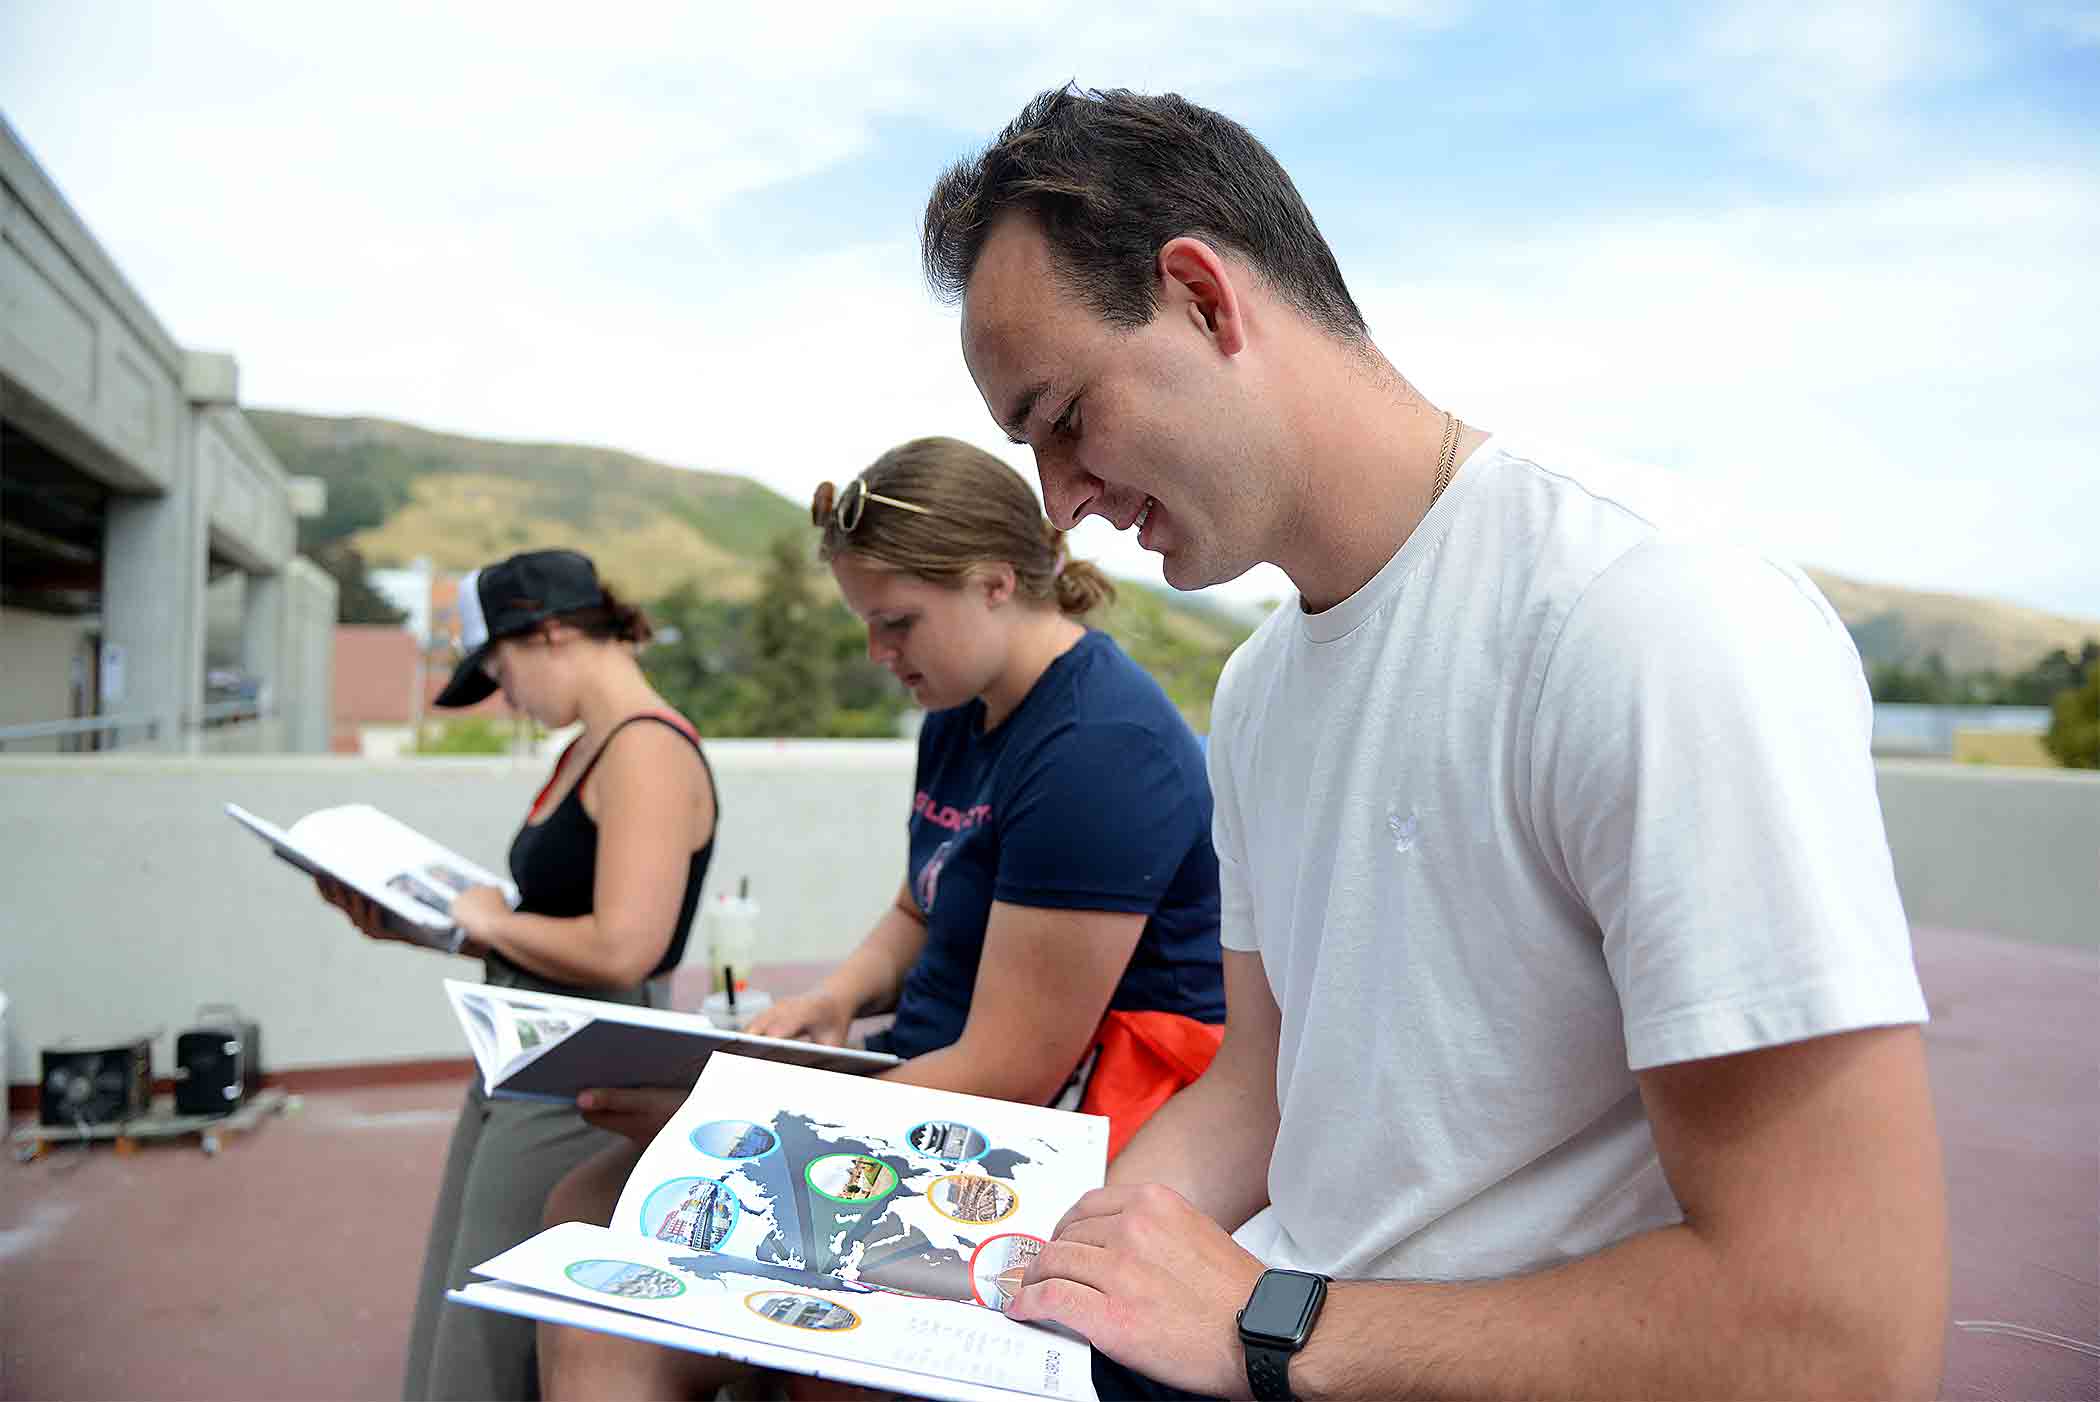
x=1275 y=1324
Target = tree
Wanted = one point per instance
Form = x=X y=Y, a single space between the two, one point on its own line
x=356 y=601
x=701 y=659
x=2059 y=672
x=2073 y=737
x=792 y=663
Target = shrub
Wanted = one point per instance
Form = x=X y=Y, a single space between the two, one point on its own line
x=2073 y=737
x=465 y=735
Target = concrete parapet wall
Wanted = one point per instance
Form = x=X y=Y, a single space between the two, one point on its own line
x=129 y=899
x=2001 y=850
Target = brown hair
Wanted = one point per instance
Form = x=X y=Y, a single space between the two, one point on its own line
x=1111 y=177
x=615 y=620
x=973 y=510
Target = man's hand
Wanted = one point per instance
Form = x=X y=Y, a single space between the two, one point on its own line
x=806 y=1017
x=1151 y=1282
x=637 y=1112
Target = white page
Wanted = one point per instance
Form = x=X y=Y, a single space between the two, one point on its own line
x=556 y=1309
x=616 y=1044
x=364 y=845
x=507 y=1031
x=414 y=878
x=862 y=1335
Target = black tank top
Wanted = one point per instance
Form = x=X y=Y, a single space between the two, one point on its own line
x=555 y=861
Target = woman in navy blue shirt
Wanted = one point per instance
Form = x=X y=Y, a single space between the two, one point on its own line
x=1060 y=862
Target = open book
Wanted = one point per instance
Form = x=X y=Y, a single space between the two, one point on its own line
x=549 y=1046
x=410 y=877
x=841 y=1227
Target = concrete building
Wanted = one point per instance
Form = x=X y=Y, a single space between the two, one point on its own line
x=135 y=502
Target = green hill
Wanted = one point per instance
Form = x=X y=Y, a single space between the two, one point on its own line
x=1970 y=634
x=396 y=492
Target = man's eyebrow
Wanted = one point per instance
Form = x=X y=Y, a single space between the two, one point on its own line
x=1016 y=421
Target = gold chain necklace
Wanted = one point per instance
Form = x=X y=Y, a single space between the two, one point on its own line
x=1446 y=457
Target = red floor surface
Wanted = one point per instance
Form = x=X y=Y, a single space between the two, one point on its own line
x=283 y=1267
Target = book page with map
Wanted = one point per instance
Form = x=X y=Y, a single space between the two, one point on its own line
x=828 y=1224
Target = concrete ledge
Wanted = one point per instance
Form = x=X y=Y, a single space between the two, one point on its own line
x=2015 y=851
x=210 y=377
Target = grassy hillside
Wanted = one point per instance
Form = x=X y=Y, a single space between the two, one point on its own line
x=1971 y=634
x=396 y=492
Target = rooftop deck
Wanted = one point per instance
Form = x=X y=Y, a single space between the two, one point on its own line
x=283 y=1267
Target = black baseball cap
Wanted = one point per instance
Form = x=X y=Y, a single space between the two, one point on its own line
x=502 y=601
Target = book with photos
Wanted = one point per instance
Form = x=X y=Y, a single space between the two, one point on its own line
x=551 y=1046
x=850 y=1229
x=411 y=878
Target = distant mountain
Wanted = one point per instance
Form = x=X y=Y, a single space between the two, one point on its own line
x=397 y=491
x=1970 y=634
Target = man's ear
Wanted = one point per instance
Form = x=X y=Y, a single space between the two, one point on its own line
x=1197 y=284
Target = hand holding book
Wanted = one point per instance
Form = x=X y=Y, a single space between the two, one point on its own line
x=806 y=1017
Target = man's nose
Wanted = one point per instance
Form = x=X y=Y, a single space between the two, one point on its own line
x=1069 y=490
x=877 y=653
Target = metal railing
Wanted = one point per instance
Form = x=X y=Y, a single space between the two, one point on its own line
x=210 y=716
x=86 y=725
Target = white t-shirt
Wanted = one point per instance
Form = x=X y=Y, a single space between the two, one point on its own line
x=1558 y=795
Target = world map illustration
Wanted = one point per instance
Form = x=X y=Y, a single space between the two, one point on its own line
x=805 y=1203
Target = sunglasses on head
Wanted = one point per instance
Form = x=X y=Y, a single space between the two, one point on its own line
x=853 y=503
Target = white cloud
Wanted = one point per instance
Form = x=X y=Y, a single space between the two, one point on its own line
x=1892 y=385
x=1823 y=84
x=529 y=223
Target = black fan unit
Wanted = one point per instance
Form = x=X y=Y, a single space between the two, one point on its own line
x=104 y=1086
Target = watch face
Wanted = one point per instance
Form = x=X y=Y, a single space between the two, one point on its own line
x=1282 y=1307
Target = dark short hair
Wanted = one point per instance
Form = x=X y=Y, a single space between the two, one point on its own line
x=1111 y=177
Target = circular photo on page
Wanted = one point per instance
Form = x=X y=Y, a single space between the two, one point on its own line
x=799 y=1311
x=625 y=1279
x=971 y=1197
x=852 y=1178
x=695 y=1212
x=996 y=1267
x=734 y=1139
x=948 y=1141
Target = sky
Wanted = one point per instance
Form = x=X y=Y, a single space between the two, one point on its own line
x=1835 y=266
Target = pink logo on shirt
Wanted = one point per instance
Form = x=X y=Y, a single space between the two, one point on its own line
x=943 y=815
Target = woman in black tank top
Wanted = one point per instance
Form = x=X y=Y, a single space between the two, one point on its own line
x=608 y=863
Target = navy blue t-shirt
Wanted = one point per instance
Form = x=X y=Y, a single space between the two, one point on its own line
x=1090 y=796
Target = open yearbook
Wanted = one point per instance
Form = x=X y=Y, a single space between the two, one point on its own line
x=836 y=1226
x=549 y=1046
x=412 y=878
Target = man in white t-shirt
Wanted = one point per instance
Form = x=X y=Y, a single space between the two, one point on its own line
x=1573 y=1039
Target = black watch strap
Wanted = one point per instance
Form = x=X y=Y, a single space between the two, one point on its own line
x=1268 y=1372
x=1273 y=1330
